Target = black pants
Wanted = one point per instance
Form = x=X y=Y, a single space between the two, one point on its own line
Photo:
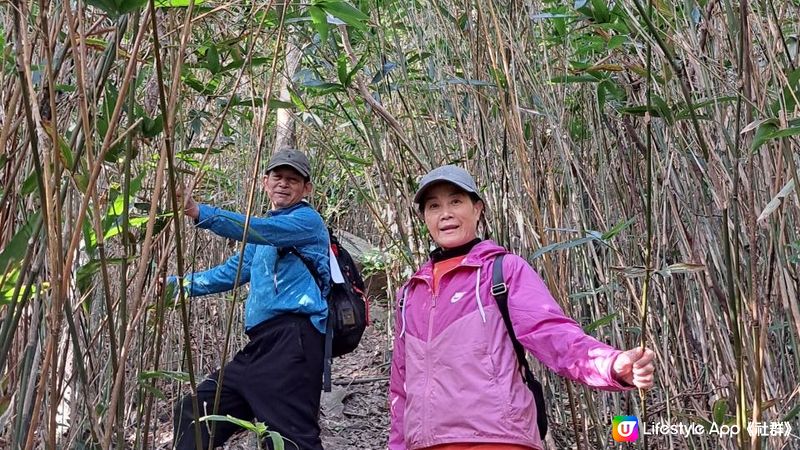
x=276 y=378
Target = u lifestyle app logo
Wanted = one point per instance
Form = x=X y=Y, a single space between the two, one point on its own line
x=625 y=428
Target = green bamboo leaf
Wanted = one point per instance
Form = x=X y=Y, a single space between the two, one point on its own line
x=346 y=12
x=16 y=248
x=30 y=184
x=685 y=113
x=66 y=153
x=115 y=208
x=320 y=87
x=459 y=80
x=246 y=424
x=607 y=289
x=89 y=239
x=790 y=93
x=198 y=151
x=133 y=222
x=116 y=8
x=599 y=323
x=152 y=127
x=562 y=246
x=341 y=68
x=785 y=132
x=765 y=128
x=548 y=16
x=418 y=57
x=258 y=102
x=82 y=181
x=574 y=79
x=792 y=414
x=176 y=3
x=156 y=392
x=201 y=88
x=254 y=62
x=617 y=229
x=86 y=273
x=277 y=440
x=320 y=22
x=654 y=110
x=352 y=73
x=699 y=420
x=182 y=377
x=110 y=223
x=617 y=41
x=720 y=409
x=499 y=77
x=600 y=11
x=10 y=279
x=607 y=88
x=212 y=60
x=769 y=130
x=663 y=109
x=108 y=6
x=297 y=101
x=356 y=160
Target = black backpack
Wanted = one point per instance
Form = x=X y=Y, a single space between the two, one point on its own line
x=500 y=293
x=348 y=314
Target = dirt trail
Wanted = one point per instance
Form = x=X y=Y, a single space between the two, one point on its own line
x=354 y=415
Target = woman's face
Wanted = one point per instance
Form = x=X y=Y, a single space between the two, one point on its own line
x=450 y=215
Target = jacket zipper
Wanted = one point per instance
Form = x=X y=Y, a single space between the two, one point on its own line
x=434 y=297
x=425 y=412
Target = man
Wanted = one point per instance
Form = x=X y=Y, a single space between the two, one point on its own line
x=277 y=376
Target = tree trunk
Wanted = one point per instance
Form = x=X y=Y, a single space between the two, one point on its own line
x=286 y=130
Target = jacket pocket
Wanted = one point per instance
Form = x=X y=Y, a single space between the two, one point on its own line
x=520 y=403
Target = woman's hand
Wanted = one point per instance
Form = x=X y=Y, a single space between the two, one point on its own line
x=635 y=367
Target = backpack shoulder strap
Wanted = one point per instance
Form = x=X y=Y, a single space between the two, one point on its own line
x=500 y=294
x=283 y=251
x=326 y=368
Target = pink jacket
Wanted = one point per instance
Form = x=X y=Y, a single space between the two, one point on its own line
x=455 y=377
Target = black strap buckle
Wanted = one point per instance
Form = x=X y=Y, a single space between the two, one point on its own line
x=499 y=289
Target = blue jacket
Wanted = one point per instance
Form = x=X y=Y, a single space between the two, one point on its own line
x=278 y=285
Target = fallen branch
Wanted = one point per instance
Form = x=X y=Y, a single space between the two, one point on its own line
x=360 y=381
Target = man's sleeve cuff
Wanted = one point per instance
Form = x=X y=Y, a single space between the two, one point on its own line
x=205 y=216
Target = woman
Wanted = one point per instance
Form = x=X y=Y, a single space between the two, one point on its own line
x=455 y=380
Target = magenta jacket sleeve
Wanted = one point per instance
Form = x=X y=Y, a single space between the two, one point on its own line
x=553 y=338
x=397 y=380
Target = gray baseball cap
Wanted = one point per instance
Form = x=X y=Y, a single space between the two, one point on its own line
x=451 y=174
x=293 y=158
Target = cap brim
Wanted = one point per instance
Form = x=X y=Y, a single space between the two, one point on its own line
x=420 y=195
x=299 y=170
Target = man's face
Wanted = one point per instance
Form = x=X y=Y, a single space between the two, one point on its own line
x=285 y=187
